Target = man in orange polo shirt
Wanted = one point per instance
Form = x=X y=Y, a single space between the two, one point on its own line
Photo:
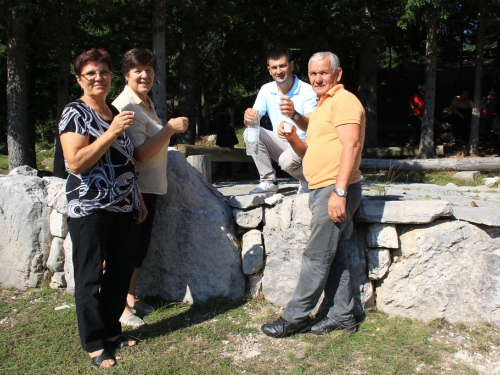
x=331 y=156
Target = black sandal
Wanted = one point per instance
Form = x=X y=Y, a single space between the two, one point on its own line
x=122 y=342
x=104 y=356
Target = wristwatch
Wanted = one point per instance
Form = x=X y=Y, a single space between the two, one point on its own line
x=295 y=116
x=340 y=192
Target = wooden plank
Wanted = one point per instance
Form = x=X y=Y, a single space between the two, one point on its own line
x=217 y=153
x=451 y=164
x=239 y=154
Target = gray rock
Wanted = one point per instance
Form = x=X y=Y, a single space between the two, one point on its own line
x=448 y=269
x=255 y=285
x=68 y=265
x=467 y=175
x=58 y=224
x=402 y=212
x=478 y=215
x=252 y=252
x=57 y=281
x=379 y=261
x=55 y=262
x=248 y=218
x=24 y=231
x=274 y=199
x=248 y=201
x=285 y=236
x=491 y=181
x=382 y=235
x=56 y=194
x=193 y=256
x=24 y=170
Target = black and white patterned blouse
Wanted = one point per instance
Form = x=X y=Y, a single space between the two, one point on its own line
x=111 y=183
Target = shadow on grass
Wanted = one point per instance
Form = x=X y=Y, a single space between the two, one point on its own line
x=171 y=317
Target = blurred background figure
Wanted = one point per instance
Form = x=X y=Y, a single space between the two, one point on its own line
x=488 y=113
x=459 y=115
x=226 y=137
x=416 y=114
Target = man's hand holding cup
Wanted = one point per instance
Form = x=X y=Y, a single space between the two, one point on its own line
x=286 y=130
x=286 y=106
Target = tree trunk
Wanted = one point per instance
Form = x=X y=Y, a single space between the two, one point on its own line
x=224 y=64
x=200 y=128
x=367 y=88
x=426 y=147
x=497 y=55
x=202 y=163
x=187 y=93
x=20 y=142
x=159 y=86
x=206 y=106
x=472 y=148
x=62 y=85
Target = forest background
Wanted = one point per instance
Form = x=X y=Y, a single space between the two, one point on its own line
x=211 y=51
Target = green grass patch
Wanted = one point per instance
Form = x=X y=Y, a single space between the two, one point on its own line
x=219 y=337
x=45 y=157
x=440 y=178
x=239 y=135
x=4 y=164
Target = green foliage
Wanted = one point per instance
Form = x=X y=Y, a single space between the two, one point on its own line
x=4 y=164
x=232 y=40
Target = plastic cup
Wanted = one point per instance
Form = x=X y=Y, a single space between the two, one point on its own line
x=287 y=127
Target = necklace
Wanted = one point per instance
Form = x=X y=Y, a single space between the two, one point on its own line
x=102 y=111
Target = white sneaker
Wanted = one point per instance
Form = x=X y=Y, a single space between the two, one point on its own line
x=303 y=188
x=265 y=187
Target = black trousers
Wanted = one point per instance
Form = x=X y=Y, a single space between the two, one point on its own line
x=100 y=298
x=143 y=231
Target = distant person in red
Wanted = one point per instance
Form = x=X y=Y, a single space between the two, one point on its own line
x=416 y=114
x=488 y=113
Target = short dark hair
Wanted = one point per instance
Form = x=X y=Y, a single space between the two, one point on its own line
x=138 y=56
x=92 y=55
x=278 y=53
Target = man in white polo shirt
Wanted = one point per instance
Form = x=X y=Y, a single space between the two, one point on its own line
x=285 y=99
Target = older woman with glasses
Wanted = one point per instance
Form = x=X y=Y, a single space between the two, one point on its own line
x=103 y=199
x=151 y=139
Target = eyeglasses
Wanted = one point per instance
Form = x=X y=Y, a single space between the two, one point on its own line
x=92 y=74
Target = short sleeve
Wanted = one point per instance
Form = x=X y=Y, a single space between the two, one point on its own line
x=260 y=102
x=75 y=121
x=138 y=133
x=310 y=101
x=348 y=111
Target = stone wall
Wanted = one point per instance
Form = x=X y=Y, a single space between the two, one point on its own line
x=418 y=251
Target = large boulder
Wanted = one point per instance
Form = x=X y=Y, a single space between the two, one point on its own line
x=286 y=233
x=24 y=230
x=193 y=256
x=448 y=269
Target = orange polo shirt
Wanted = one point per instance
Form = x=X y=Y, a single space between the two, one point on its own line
x=322 y=159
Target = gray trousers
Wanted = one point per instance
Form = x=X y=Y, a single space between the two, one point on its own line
x=271 y=147
x=325 y=265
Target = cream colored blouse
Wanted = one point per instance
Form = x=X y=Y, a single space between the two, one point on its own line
x=152 y=173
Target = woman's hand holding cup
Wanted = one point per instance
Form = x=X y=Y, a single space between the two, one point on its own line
x=121 y=122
